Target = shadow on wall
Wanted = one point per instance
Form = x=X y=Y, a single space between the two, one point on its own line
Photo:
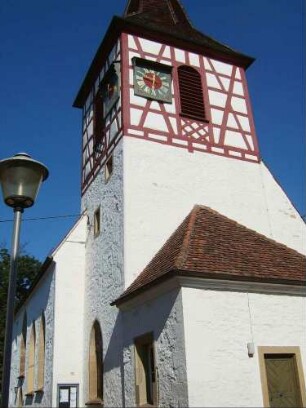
x=151 y=316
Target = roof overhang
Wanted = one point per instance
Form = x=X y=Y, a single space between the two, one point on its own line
x=119 y=25
x=209 y=281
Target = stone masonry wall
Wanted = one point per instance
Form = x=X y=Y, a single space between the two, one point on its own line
x=104 y=276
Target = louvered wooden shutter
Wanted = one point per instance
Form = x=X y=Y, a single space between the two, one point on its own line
x=191 y=93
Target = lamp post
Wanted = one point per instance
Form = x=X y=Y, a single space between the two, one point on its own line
x=20 y=178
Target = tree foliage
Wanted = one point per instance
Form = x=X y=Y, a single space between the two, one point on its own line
x=28 y=267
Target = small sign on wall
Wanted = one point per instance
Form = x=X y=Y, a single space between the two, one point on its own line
x=67 y=395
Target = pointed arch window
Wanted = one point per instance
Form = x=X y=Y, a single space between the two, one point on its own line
x=41 y=354
x=23 y=341
x=95 y=366
x=191 y=93
x=31 y=362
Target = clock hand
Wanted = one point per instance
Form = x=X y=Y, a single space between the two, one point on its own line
x=148 y=78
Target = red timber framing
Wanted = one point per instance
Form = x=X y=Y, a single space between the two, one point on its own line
x=95 y=155
x=228 y=128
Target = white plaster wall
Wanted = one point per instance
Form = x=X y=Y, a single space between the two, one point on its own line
x=41 y=301
x=104 y=276
x=69 y=258
x=218 y=326
x=162 y=184
x=164 y=317
x=286 y=223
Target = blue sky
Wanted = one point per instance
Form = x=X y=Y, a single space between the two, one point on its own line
x=46 y=48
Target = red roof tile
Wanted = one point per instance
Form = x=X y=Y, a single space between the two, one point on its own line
x=210 y=245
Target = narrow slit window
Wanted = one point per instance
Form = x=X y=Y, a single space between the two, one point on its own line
x=97 y=222
x=146 y=384
x=109 y=168
x=98 y=123
x=191 y=93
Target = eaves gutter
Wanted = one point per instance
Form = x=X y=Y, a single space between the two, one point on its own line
x=216 y=276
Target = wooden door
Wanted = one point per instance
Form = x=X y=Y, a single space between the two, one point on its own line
x=282 y=381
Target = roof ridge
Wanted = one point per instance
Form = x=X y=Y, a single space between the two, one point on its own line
x=182 y=256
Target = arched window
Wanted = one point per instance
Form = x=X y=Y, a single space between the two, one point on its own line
x=41 y=354
x=95 y=365
x=191 y=93
x=23 y=341
x=31 y=362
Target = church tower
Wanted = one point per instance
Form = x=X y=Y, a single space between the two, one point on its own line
x=167 y=124
x=182 y=283
x=180 y=88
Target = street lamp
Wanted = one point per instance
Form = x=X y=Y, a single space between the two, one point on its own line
x=20 y=178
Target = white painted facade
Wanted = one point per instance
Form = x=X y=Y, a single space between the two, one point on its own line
x=59 y=296
x=168 y=182
x=69 y=259
x=218 y=325
x=152 y=189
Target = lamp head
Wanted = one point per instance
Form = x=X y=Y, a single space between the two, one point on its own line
x=21 y=178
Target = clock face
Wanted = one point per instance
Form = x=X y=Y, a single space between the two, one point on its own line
x=153 y=82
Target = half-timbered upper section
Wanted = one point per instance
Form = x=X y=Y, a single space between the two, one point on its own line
x=102 y=121
x=157 y=78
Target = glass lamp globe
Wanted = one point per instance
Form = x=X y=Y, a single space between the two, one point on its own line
x=21 y=178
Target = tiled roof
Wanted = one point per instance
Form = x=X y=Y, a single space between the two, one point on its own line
x=158 y=20
x=170 y=17
x=167 y=12
x=210 y=245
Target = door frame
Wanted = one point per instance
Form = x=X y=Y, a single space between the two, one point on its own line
x=293 y=350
